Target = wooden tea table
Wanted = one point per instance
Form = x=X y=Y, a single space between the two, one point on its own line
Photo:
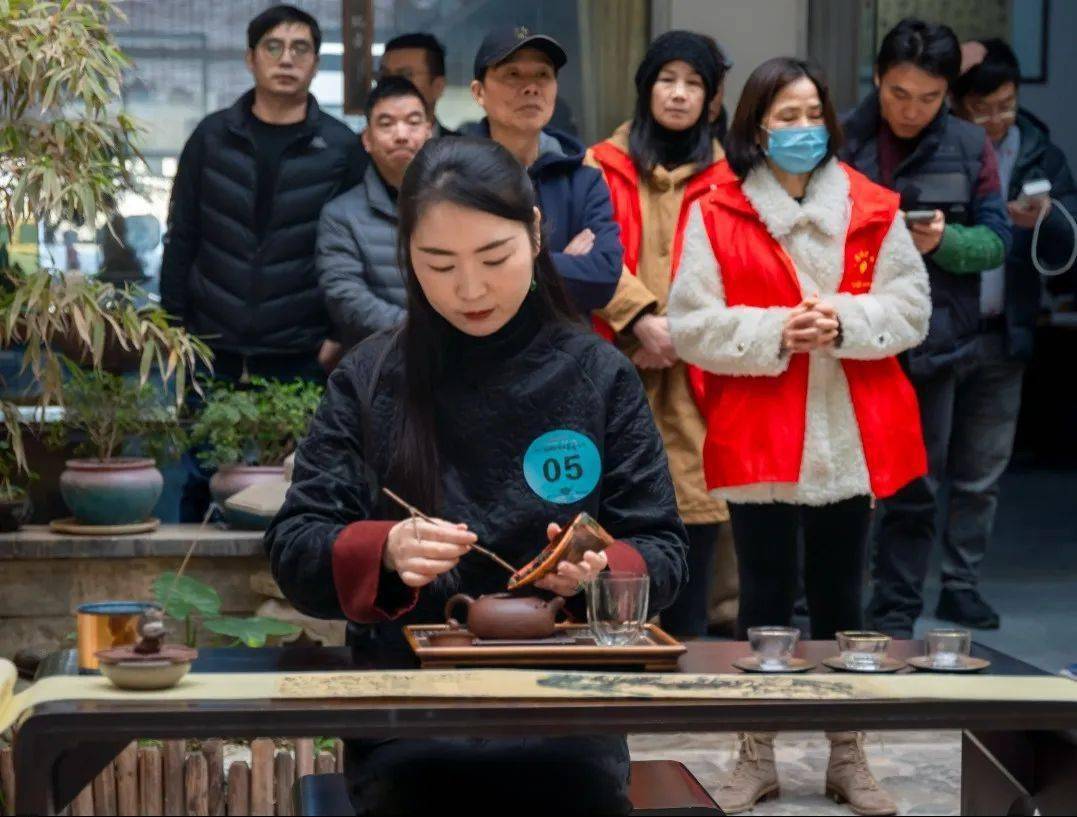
x=1016 y=754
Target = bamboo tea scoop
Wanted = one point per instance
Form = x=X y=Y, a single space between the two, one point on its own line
x=478 y=548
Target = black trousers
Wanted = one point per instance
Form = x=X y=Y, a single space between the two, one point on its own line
x=575 y=774
x=969 y=416
x=687 y=616
x=549 y=775
x=835 y=552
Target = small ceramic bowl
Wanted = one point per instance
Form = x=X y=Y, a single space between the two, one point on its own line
x=145 y=675
x=162 y=669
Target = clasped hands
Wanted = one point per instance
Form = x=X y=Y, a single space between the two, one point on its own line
x=656 y=343
x=814 y=324
x=420 y=551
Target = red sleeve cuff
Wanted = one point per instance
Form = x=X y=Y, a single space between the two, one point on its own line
x=623 y=558
x=367 y=592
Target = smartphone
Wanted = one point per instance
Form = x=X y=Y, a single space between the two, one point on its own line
x=1034 y=192
x=919 y=216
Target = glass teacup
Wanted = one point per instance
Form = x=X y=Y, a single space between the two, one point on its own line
x=773 y=646
x=948 y=647
x=862 y=650
x=617 y=608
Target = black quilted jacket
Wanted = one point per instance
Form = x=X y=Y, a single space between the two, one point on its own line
x=504 y=392
x=245 y=293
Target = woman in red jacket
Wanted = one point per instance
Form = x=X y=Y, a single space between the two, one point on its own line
x=798 y=285
x=655 y=165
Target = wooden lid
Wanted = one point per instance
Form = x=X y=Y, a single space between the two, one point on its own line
x=173 y=653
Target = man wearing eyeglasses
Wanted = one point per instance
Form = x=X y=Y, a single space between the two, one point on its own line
x=238 y=266
x=987 y=94
x=420 y=59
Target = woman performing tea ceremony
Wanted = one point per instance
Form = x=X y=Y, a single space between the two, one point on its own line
x=461 y=411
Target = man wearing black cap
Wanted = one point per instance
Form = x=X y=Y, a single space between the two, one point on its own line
x=516 y=84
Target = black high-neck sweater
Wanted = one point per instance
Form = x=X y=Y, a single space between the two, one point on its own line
x=501 y=394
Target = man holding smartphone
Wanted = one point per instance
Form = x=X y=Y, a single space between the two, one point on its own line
x=904 y=137
x=1032 y=170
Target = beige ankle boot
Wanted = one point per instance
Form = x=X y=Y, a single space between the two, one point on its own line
x=849 y=780
x=754 y=777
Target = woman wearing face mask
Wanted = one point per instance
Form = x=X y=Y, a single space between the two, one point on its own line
x=457 y=411
x=798 y=285
x=655 y=164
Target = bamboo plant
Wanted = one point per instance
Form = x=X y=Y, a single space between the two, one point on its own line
x=66 y=152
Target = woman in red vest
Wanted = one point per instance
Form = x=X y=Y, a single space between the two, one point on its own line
x=664 y=157
x=798 y=285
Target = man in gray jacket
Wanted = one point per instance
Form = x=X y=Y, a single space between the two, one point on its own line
x=356 y=250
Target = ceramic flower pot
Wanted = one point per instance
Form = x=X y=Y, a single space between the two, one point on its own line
x=121 y=491
x=15 y=510
x=232 y=479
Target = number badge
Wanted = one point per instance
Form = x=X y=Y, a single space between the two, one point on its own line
x=562 y=466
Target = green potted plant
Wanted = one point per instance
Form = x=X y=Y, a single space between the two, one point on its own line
x=247 y=433
x=14 y=500
x=102 y=487
x=66 y=153
x=195 y=604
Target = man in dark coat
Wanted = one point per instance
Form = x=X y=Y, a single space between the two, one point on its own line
x=357 y=261
x=238 y=266
x=419 y=58
x=987 y=94
x=903 y=136
x=516 y=84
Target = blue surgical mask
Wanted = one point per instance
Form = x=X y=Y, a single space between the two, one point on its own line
x=797 y=150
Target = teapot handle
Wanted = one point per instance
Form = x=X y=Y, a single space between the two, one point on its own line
x=451 y=604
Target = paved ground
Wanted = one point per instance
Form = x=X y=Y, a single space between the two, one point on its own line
x=920 y=769
x=1029 y=576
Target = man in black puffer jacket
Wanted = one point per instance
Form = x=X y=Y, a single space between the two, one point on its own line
x=238 y=266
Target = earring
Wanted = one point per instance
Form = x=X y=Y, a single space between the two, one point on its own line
x=534 y=283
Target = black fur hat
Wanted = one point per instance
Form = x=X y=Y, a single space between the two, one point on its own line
x=680 y=45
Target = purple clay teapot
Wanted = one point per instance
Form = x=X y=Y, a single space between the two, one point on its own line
x=504 y=615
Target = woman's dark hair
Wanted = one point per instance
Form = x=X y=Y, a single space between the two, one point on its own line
x=931 y=47
x=274 y=16
x=742 y=147
x=999 y=66
x=476 y=174
x=649 y=144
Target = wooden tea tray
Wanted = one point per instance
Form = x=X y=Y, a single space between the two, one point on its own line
x=657 y=651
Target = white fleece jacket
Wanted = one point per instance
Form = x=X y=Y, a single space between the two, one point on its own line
x=746 y=341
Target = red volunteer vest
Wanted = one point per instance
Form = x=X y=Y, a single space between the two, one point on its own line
x=623 y=181
x=756 y=425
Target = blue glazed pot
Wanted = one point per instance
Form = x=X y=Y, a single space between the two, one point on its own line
x=116 y=492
